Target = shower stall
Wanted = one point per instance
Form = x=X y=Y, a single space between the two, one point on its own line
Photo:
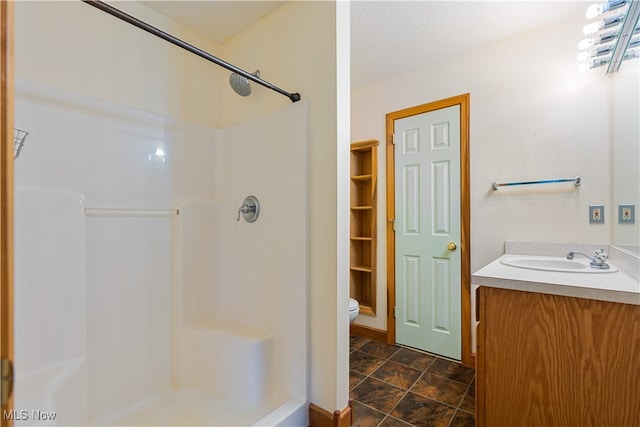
x=139 y=298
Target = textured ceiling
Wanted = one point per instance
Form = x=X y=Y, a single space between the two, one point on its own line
x=391 y=37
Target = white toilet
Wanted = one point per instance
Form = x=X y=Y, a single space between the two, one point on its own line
x=354 y=309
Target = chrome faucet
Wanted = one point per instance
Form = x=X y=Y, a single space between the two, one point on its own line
x=243 y=210
x=249 y=210
x=599 y=260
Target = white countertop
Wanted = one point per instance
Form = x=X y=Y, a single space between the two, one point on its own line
x=610 y=286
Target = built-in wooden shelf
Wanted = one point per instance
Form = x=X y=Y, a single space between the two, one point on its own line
x=361 y=268
x=362 y=177
x=364 y=173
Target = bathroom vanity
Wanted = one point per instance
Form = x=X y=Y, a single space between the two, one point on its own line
x=556 y=347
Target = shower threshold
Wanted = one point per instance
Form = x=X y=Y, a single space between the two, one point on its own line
x=191 y=408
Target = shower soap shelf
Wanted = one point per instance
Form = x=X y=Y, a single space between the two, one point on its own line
x=19 y=136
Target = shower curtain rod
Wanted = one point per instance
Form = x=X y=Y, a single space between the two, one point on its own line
x=294 y=97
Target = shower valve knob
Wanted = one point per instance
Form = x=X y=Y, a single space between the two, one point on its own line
x=250 y=209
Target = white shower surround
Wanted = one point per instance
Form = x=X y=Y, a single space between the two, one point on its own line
x=143 y=317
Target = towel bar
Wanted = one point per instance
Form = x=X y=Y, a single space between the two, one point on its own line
x=575 y=180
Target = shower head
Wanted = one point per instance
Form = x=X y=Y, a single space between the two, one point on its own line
x=240 y=84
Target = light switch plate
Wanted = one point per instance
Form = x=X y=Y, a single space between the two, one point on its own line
x=596 y=214
x=626 y=214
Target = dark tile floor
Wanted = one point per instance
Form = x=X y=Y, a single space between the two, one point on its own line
x=393 y=386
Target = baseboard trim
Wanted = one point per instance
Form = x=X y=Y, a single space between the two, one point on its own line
x=319 y=417
x=368 y=332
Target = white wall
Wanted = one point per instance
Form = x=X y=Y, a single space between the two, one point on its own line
x=252 y=275
x=50 y=321
x=103 y=280
x=106 y=269
x=295 y=48
x=78 y=47
x=533 y=116
x=272 y=286
x=626 y=151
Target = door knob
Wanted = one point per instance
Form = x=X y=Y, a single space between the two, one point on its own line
x=452 y=246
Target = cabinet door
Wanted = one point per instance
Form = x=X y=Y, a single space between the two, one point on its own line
x=547 y=360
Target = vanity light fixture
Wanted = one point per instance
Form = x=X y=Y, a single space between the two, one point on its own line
x=600 y=55
x=597 y=39
x=618 y=43
x=603 y=24
x=595 y=10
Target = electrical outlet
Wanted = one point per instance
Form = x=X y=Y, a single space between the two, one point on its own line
x=626 y=214
x=596 y=214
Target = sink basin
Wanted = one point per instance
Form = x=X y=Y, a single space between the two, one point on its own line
x=554 y=264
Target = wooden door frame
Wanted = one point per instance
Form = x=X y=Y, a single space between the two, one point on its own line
x=465 y=220
x=6 y=190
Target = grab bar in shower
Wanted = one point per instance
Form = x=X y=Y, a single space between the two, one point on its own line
x=575 y=180
x=130 y=212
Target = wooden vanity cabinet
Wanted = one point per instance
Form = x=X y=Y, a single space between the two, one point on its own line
x=548 y=360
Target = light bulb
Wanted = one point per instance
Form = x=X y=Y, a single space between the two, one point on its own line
x=594 y=10
x=592 y=28
x=607 y=37
x=586 y=43
x=583 y=56
x=598 y=62
x=583 y=67
x=598 y=9
x=632 y=54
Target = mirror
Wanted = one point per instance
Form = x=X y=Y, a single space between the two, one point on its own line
x=625 y=155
